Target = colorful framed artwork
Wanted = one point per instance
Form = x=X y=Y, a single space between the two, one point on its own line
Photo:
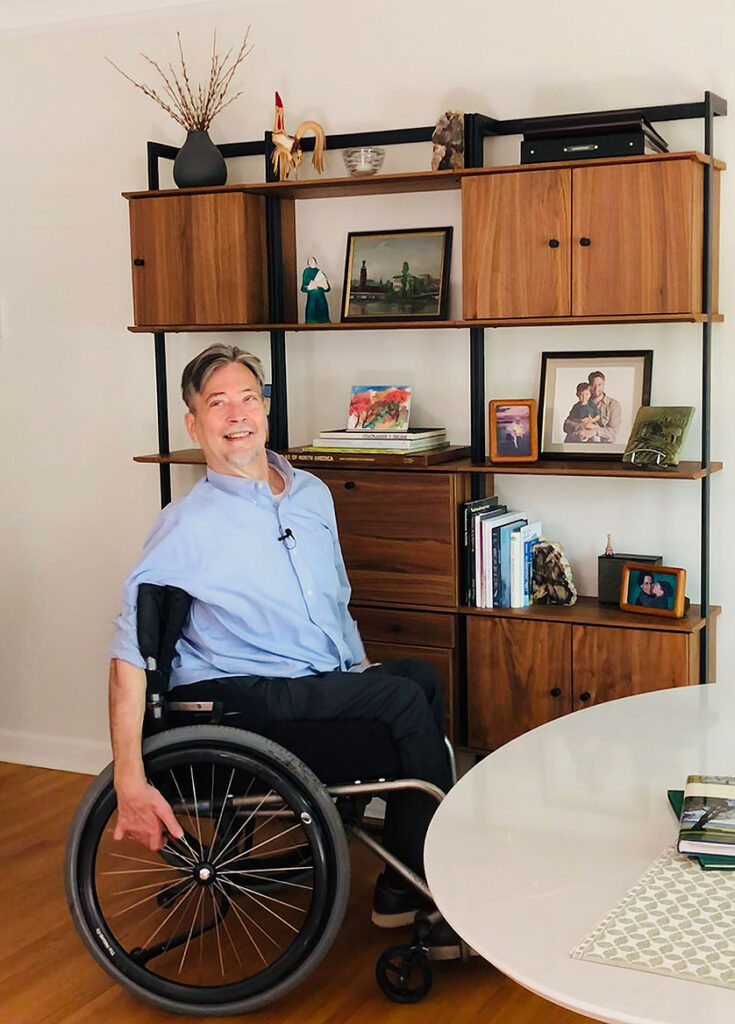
x=653 y=589
x=513 y=430
x=589 y=400
x=397 y=275
x=379 y=407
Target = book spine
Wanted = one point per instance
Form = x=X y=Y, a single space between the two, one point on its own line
x=380 y=435
x=357 y=459
x=495 y=563
x=516 y=570
x=389 y=443
x=469 y=558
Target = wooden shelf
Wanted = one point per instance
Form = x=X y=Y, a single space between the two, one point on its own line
x=552 y=467
x=420 y=325
x=391 y=184
x=684 y=471
x=589 y=612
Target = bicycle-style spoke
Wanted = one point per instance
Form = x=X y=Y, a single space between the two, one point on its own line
x=196 y=810
x=264 y=906
x=191 y=930
x=264 y=842
x=241 y=913
x=244 y=825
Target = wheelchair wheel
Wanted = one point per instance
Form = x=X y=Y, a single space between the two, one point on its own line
x=403 y=973
x=241 y=909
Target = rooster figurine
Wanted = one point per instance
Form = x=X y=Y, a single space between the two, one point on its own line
x=288 y=154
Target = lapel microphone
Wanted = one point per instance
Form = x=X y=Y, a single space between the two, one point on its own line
x=286 y=536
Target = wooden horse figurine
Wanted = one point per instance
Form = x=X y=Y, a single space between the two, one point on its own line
x=288 y=154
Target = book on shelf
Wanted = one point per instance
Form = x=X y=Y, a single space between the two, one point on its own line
x=522 y=543
x=707 y=862
x=311 y=456
x=707 y=822
x=386 y=442
x=501 y=543
x=489 y=561
x=409 y=434
x=471 y=510
x=379 y=407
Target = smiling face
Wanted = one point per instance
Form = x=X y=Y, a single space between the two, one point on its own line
x=647 y=584
x=229 y=422
x=597 y=386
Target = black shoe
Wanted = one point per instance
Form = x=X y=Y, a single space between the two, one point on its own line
x=395 y=907
x=443 y=943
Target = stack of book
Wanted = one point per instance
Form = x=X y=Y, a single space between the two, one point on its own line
x=706 y=812
x=498 y=555
x=418 y=445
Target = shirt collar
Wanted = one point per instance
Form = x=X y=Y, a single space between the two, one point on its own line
x=247 y=488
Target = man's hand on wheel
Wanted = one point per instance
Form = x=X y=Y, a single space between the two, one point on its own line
x=143 y=814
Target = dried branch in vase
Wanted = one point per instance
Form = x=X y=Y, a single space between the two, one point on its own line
x=194 y=107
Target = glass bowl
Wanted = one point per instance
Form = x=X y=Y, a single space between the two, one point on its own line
x=363 y=160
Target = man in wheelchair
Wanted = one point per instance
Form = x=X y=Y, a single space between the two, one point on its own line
x=268 y=633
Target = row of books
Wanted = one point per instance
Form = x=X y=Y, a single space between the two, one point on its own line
x=706 y=812
x=498 y=555
x=422 y=446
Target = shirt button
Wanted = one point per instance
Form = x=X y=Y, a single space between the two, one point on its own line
x=309 y=593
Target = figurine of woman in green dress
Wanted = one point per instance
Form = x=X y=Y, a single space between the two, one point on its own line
x=314 y=282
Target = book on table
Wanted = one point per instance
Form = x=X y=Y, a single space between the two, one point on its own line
x=707 y=823
x=706 y=862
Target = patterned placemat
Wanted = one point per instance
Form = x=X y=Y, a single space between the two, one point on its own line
x=677 y=920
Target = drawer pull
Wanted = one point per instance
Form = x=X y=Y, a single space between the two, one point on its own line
x=397 y=628
x=556 y=692
x=585 y=696
x=349 y=484
x=138 y=262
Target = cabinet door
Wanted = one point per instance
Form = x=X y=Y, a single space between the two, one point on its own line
x=198 y=259
x=637 y=238
x=518 y=677
x=398 y=533
x=511 y=266
x=610 y=663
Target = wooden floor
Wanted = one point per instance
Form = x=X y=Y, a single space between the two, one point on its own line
x=47 y=977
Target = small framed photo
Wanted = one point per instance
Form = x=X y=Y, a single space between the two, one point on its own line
x=589 y=400
x=397 y=275
x=513 y=430
x=653 y=589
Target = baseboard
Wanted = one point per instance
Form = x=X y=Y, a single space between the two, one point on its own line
x=69 y=755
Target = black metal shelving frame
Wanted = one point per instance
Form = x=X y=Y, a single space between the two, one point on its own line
x=478 y=127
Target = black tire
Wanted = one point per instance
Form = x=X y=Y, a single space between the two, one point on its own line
x=219 y=780
x=404 y=974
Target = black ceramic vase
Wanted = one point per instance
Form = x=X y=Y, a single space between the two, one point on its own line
x=199 y=162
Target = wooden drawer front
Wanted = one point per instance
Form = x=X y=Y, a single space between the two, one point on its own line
x=398 y=533
x=610 y=663
x=428 y=628
x=518 y=677
x=443 y=660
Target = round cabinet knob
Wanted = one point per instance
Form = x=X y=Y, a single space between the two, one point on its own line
x=138 y=262
x=585 y=696
x=556 y=692
x=585 y=241
x=553 y=243
x=349 y=484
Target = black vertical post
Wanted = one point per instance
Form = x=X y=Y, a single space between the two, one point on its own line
x=473 y=157
x=707 y=256
x=164 y=468
x=278 y=419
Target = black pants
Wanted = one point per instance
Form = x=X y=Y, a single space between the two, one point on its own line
x=404 y=695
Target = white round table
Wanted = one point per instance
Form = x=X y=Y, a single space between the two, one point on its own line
x=543 y=837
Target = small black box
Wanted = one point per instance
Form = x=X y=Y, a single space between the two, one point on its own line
x=610 y=574
x=585 y=147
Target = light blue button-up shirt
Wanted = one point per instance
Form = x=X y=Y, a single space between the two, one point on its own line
x=260 y=606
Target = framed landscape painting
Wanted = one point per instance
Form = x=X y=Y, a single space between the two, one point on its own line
x=397 y=275
x=513 y=430
x=589 y=400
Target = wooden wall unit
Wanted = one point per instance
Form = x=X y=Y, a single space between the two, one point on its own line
x=605 y=240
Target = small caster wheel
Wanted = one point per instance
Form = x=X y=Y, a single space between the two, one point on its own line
x=403 y=973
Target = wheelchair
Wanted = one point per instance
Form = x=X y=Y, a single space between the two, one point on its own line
x=246 y=904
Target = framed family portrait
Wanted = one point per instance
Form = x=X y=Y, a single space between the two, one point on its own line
x=513 y=430
x=653 y=589
x=397 y=275
x=589 y=400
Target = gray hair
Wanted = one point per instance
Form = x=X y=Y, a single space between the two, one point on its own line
x=200 y=369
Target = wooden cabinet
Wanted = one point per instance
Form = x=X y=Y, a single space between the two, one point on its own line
x=199 y=259
x=611 y=239
x=523 y=670
x=398 y=633
x=398 y=533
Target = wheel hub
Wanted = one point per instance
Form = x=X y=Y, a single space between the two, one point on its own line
x=204 y=873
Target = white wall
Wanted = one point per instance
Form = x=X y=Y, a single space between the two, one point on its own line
x=78 y=389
